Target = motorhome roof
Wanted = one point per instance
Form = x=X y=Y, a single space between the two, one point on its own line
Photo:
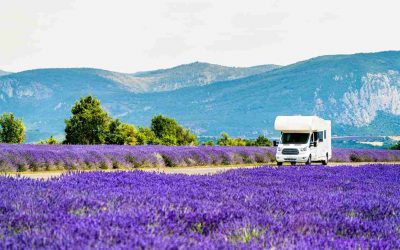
x=300 y=123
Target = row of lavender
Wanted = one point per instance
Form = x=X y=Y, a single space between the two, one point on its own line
x=312 y=207
x=71 y=157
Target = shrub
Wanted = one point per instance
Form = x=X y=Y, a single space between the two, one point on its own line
x=21 y=167
x=103 y=165
x=49 y=141
x=208 y=143
x=116 y=164
x=168 y=161
x=12 y=130
x=226 y=140
x=121 y=133
x=133 y=161
x=396 y=146
x=169 y=132
x=361 y=158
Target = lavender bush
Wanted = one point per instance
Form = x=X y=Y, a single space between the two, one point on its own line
x=365 y=155
x=76 y=157
x=72 y=157
x=305 y=207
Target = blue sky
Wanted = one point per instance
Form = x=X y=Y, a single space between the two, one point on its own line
x=130 y=36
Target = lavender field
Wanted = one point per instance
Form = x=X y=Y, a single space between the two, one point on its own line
x=74 y=157
x=303 y=207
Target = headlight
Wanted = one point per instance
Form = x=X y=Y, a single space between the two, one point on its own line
x=303 y=149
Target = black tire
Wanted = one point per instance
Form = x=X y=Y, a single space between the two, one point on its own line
x=293 y=163
x=308 y=162
x=326 y=161
x=279 y=163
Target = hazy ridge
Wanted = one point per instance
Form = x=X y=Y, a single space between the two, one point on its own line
x=360 y=93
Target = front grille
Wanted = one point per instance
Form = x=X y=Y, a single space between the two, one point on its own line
x=290 y=151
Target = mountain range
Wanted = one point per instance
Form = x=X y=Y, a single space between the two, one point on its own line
x=360 y=93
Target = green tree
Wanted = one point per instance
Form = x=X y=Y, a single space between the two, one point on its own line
x=146 y=136
x=129 y=133
x=169 y=132
x=184 y=137
x=262 y=141
x=12 y=130
x=224 y=139
x=89 y=123
x=121 y=133
x=396 y=146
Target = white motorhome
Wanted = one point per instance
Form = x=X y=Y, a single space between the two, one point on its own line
x=303 y=139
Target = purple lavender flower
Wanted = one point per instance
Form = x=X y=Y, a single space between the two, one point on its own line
x=304 y=207
x=70 y=157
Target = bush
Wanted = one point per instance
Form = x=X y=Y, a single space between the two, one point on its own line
x=146 y=136
x=262 y=141
x=168 y=132
x=360 y=158
x=103 y=165
x=120 y=133
x=396 y=146
x=12 y=130
x=49 y=141
x=208 y=143
x=168 y=161
x=225 y=140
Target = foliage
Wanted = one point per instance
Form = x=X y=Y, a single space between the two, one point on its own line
x=341 y=207
x=49 y=141
x=208 y=143
x=169 y=132
x=146 y=136
x=12 y=130
x=120 y=133
x=396 y=146
x=262 y=141
x=225 y=140
x=89 y=123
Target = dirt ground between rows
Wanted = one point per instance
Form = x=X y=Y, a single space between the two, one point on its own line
x=183 y=170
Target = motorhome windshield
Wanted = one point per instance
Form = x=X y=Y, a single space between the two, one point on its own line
x=295 y=138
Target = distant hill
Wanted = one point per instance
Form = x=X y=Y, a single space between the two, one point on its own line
x=360 y=93
x=43 y=97
x=197 y=74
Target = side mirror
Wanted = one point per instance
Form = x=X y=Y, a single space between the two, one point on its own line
x=315 y=144
x=276 y=143
x=320 y=140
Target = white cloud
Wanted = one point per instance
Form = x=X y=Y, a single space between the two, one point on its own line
x=128 y=36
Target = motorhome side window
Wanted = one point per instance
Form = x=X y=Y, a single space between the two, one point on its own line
x=321 y=136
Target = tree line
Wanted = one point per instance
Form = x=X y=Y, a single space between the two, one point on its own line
x=91 y=124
